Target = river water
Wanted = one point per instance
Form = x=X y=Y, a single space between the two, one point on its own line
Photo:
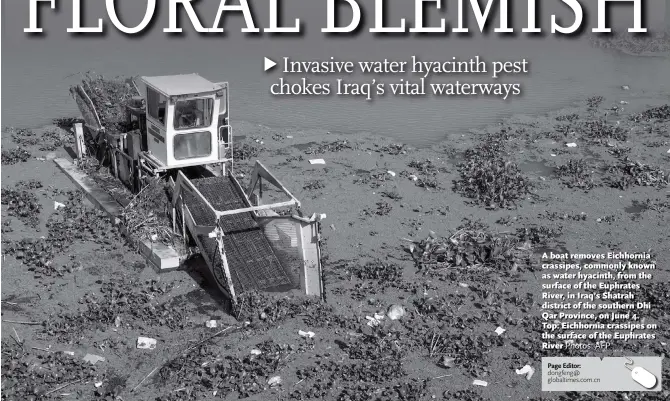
x=37 y=71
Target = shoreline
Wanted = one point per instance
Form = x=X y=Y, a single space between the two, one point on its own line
x=623 y=42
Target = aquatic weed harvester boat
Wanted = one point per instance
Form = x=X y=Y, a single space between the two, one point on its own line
x=177 y=128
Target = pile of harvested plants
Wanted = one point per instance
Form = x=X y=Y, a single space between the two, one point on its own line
x=147 y=216
x=110 y=96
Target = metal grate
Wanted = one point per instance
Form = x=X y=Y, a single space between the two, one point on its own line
x=251 y=259
x=222 y=195
x=262 y=269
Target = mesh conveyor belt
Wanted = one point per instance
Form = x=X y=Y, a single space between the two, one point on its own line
x=251 y=260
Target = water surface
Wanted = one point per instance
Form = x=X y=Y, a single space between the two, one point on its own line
x=37 y=72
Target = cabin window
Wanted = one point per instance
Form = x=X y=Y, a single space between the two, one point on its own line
x=156 y=104
x=192 y=145
x=193 y=113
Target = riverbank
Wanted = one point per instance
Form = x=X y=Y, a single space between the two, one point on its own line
x=586 y=179
x=651 y=45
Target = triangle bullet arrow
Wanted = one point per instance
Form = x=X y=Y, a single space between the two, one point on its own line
x=268 y=64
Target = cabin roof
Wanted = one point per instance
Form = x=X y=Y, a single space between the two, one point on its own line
x=183 y=84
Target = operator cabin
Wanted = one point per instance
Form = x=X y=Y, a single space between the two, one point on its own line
x=182 y=127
